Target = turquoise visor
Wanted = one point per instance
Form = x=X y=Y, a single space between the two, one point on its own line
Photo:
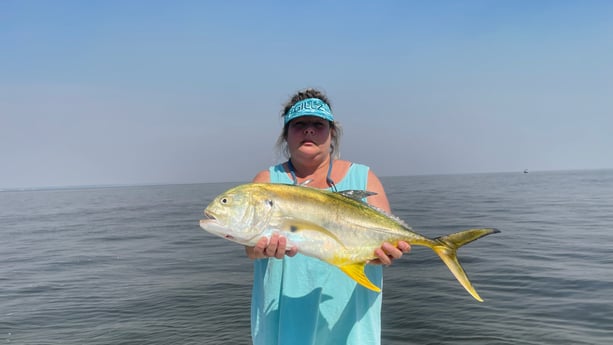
x=309 y=107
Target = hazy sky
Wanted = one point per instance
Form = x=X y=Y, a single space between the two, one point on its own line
x=139 y=92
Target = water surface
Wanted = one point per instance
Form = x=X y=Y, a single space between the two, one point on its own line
x=130 y=265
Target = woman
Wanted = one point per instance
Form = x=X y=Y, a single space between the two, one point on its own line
x=298 y=299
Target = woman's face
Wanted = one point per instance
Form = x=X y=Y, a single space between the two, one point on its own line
x=309 y=134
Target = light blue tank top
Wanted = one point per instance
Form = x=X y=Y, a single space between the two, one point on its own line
x=304 y=301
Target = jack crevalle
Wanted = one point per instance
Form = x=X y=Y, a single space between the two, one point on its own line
x=336 y=227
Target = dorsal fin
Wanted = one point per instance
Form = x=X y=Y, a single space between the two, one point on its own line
x=305 y=182
x=356 y=194
x=359 y=195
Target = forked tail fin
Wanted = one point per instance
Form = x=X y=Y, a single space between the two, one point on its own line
x=447 y=247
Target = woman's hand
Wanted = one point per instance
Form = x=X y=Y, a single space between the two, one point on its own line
x=387 y=253
x=275 y=248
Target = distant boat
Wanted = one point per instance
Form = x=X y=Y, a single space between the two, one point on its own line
x=525 y=171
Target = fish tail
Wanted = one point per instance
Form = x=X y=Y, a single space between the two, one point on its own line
x=446 y=247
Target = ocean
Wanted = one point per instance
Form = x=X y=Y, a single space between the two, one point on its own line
x=130 y=265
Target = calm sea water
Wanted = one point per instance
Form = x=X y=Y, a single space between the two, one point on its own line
x=130 y=265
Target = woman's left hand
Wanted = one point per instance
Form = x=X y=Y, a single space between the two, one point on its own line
x=387 y=253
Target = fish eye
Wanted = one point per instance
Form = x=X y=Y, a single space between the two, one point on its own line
x=224 y=201
x=269 y=203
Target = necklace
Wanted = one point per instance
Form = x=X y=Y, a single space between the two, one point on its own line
x=329 y=180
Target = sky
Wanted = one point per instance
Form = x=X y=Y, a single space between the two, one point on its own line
x=148 y=92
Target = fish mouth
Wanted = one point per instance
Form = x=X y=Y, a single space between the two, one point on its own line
x=210 y=218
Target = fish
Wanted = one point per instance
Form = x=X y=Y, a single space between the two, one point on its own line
x=339 y=228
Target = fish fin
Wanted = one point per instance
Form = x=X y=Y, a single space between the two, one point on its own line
x=360 y=195
x=305 y=182
x=356 y=272
x=301 y=225
x=356 y=194
x=447 y=247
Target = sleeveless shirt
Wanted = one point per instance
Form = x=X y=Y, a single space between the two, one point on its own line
x=302 y=300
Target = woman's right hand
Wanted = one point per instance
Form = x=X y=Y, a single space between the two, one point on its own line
x=276 y=247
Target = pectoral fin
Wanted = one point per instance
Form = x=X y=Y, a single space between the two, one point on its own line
x=356 y=272
x=294 y=225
